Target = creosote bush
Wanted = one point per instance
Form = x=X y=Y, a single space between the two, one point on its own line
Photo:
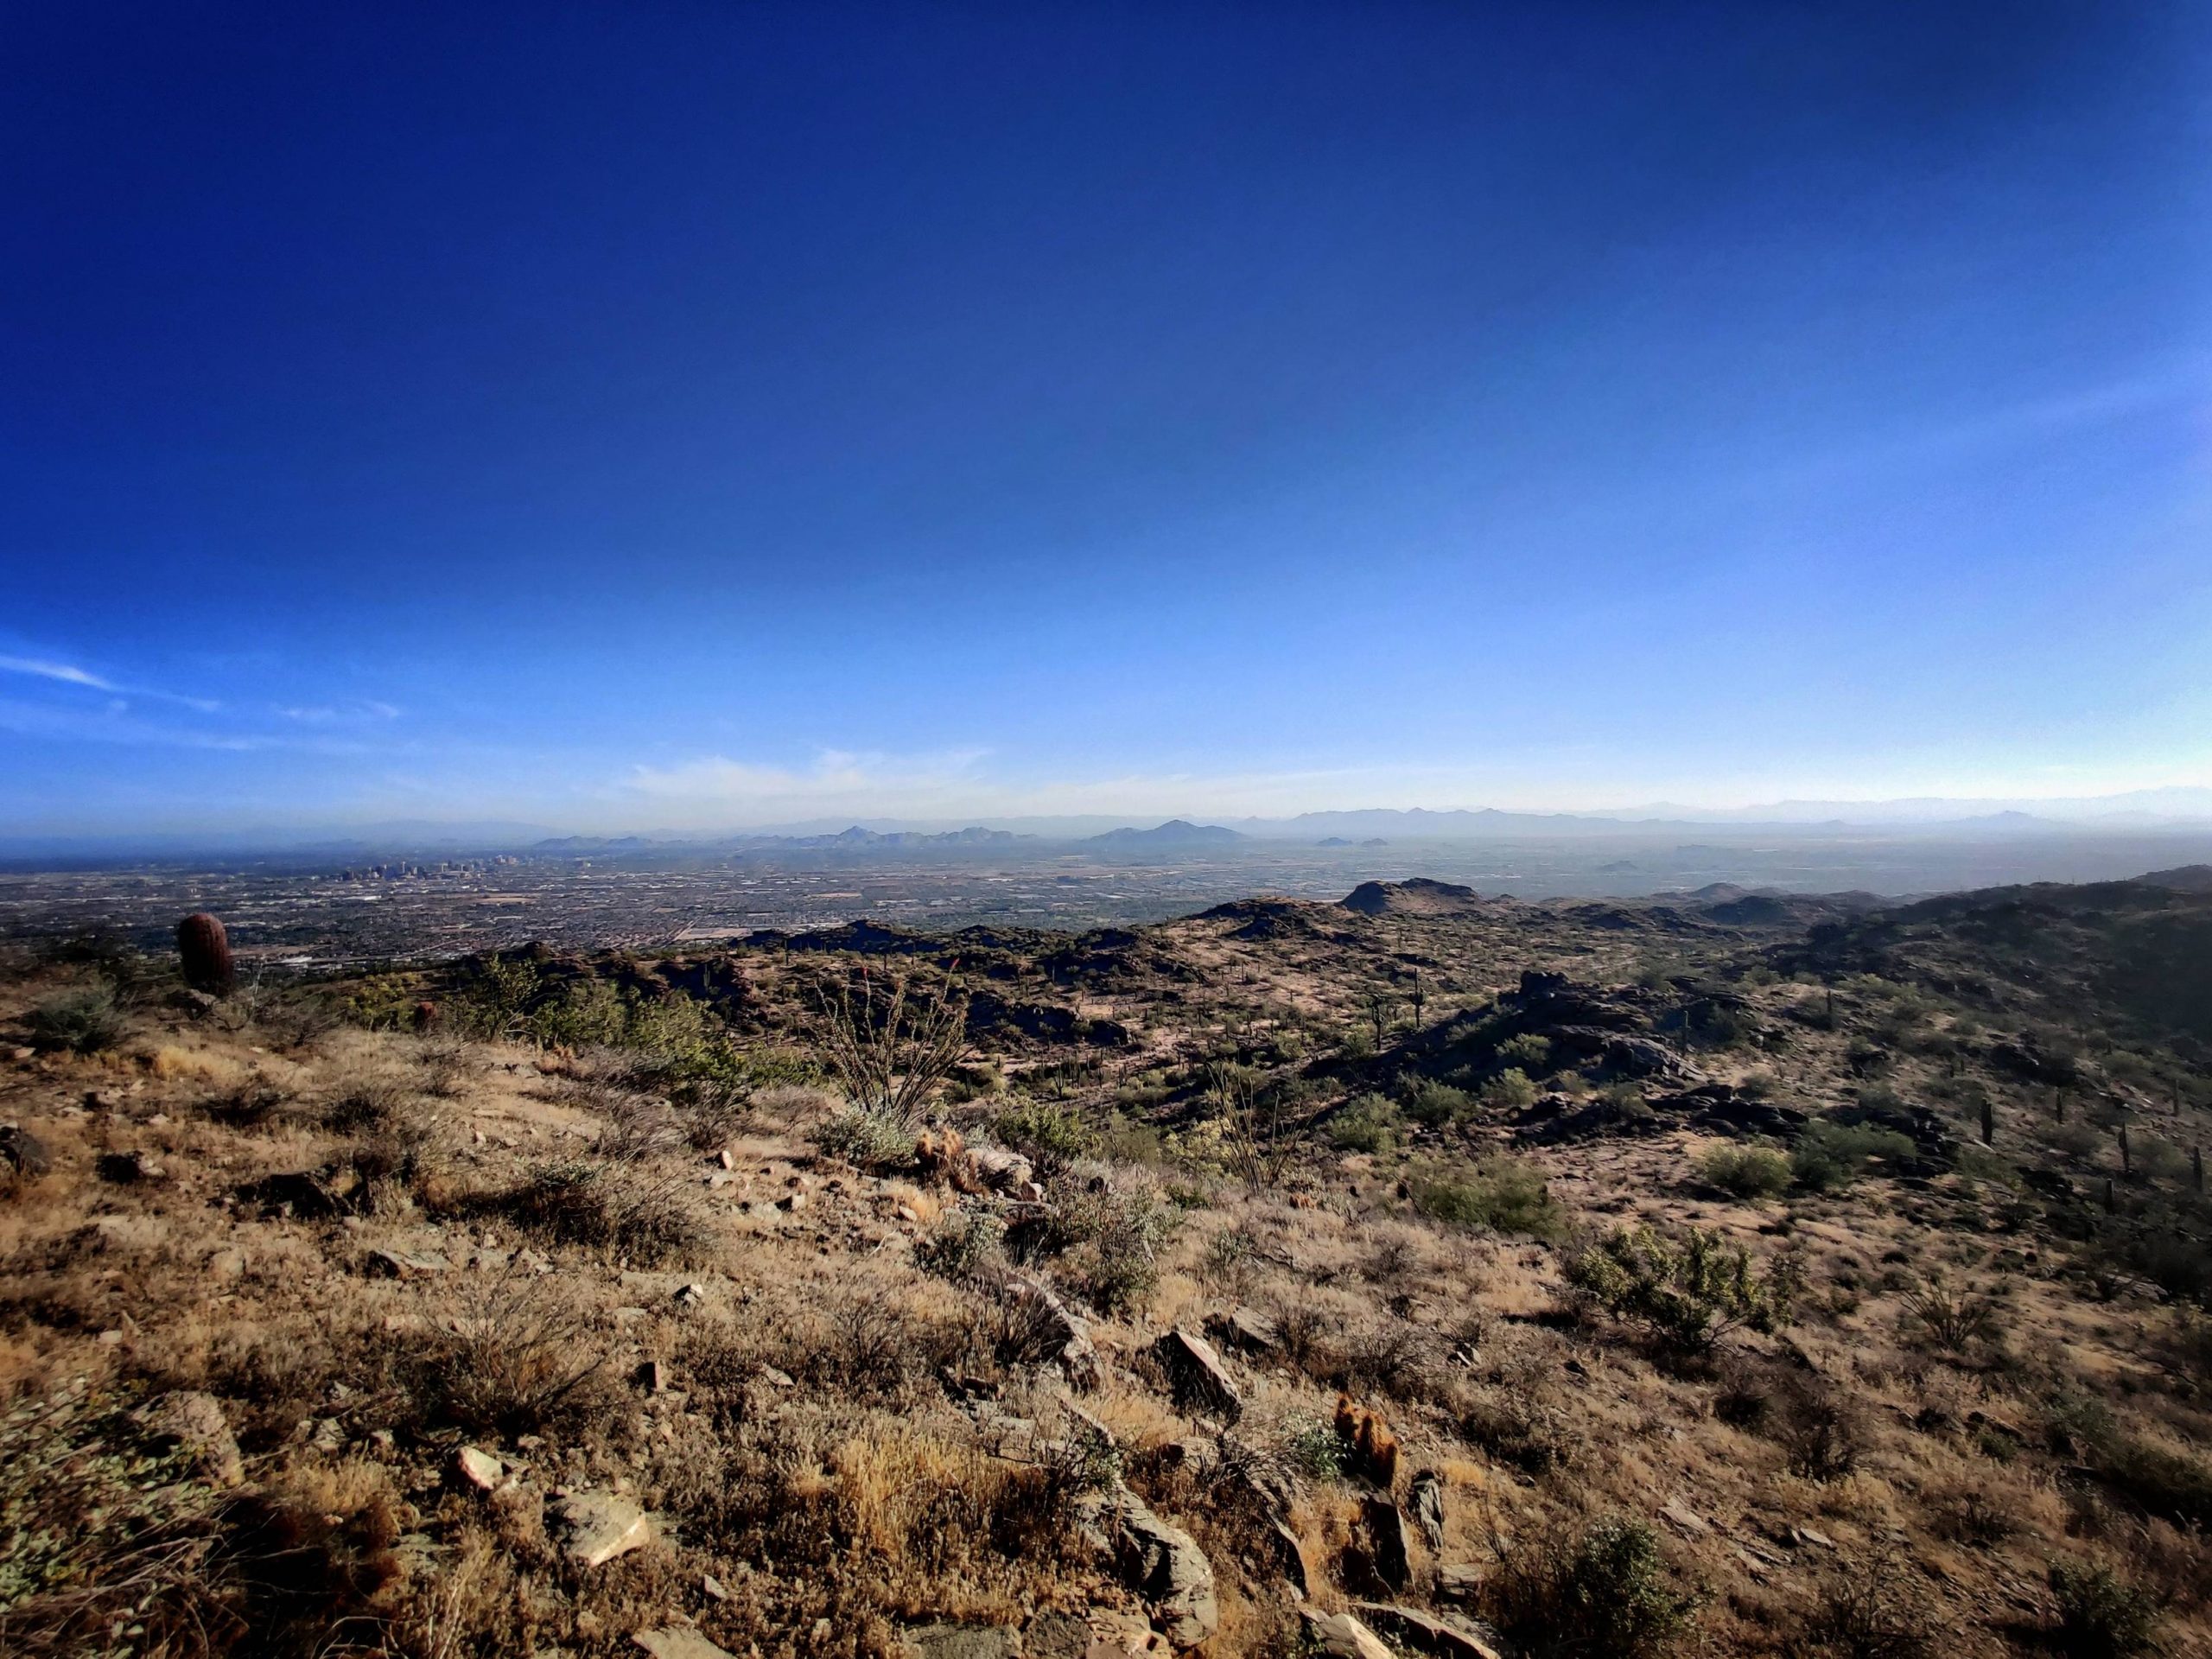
x=1688 y=1292
x=2100 y=1614
x=1503 y=1194
x=1754 y=1172
x=1830 y=1156
x=82 y=1021
x=1370 y=1123
x=1599 y=1593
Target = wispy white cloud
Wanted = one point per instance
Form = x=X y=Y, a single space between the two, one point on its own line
x=47 y=668
x=324 y=714
x=67 y=673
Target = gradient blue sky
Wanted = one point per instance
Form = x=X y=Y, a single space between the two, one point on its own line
x=693 y=415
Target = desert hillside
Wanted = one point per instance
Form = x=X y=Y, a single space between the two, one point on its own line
x=1721 y=1273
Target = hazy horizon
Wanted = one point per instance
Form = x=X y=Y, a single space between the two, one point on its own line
x=683 y=420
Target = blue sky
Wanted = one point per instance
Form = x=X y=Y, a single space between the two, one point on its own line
x=690 y=416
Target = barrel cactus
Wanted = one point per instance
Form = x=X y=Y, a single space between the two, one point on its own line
x=208 y=965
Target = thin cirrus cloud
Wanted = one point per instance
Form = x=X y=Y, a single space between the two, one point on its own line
x=62 y=673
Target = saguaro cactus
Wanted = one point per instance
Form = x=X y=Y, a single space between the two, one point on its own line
x=1988 y=1122
x=208 y=965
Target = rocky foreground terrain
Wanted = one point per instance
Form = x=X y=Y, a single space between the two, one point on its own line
x=1430 y=1272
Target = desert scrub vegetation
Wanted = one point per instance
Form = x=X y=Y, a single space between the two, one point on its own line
x=625 y=1208
x=83 y=1020
x=2098 y=1614
x=1502 y=1194
x=1829 y=1156
x=1746 y=1172
x=1686 y=1291
x=1601 y=1590
x=1368 y=1123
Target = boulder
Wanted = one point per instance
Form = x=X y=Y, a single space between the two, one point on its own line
x=1065 y=1335
x=1246 y=1328
x=1425 y=1499
x=678 y=1641
x=195 y=1422
x=1390 y=1546
x=394 y=1263
x=1342 y=1636
x=1447 y=1638
x=481 y=1469
x=595 y=1527
x=1196 y=1375
x=1459 y=1581
x=1160 y=1561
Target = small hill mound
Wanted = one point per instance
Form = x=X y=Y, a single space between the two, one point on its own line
x=1176 y=832
x=1418 y=897
x=2187 y=878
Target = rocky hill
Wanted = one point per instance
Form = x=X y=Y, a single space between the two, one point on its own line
x=1426 y=1274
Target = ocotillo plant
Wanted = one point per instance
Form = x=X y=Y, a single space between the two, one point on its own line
x=206 y=948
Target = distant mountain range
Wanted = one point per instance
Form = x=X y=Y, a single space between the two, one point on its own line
x=2137 y=812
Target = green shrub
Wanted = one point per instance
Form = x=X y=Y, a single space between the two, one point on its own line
x=1502 y=1194
x=1437 y=1103
x=868 y=1140
x=1113 y=1237
x=2100 y=1614
x=82 y=1021
x=961 y=1245
x=1529 y=1051
x=1511 y=1090
x=1369 y=1123
x=1688 y=1292
x=1601 y=1594
x=1312 y=1449
x=1051 y=1137
x=1755 y=1172
x=1829 y=1156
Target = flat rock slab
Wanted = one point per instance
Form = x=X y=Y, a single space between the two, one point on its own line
x=678 y=1641
x=1447 y=1638
x=1342 y=1636
x=596 y=1526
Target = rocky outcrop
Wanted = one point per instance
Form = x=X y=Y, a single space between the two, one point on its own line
x=1425 y=1499
x=1342 y=1636
x=1389 y=1546
x=678 y=1641
x=1196 y=1375
x=1062 y=1337
x=1447 y=1638
x=1160 y=1561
